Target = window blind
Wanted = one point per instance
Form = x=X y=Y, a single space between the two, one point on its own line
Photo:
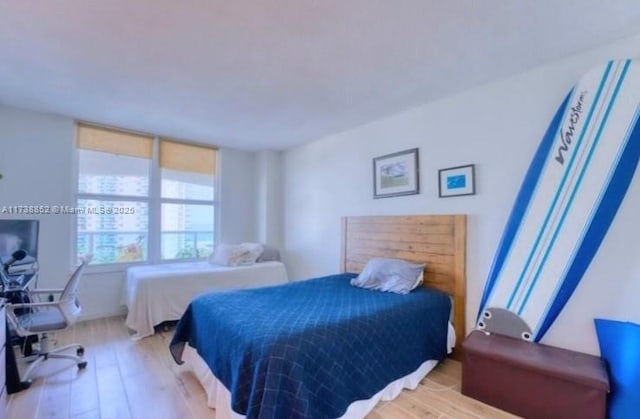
x=188 y=157
x=107 y=140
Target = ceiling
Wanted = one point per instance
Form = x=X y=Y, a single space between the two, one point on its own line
x=271 y=74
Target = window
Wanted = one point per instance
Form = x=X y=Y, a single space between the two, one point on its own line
x=129 y=183
x=187 y=198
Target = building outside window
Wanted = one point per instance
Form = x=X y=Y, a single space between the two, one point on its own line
x=142 y=198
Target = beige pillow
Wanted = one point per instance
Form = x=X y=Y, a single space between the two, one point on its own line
x=236 y=254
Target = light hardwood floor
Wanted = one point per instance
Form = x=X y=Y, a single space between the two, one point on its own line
x=138 y=379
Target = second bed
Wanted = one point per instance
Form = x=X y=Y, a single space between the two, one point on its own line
x=157 y=293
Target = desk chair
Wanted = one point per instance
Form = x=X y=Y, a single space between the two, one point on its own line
x=42 y=318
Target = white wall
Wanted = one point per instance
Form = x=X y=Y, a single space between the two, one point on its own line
x=497 y=127
x=36 y=159
x=237 y=196
x=269 y=182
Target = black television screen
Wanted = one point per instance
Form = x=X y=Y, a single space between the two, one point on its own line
x=19 y=235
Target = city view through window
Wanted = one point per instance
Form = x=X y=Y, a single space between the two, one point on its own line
x=187 y=227
x=115 y=205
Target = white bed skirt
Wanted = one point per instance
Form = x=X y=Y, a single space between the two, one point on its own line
x=219 y=398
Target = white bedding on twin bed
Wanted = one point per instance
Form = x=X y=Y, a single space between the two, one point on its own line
x=219 y=397
x=157 y=293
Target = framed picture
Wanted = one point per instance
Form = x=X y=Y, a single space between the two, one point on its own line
x=457 y=181
x=396 y=174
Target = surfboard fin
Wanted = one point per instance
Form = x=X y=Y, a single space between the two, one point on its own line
x=504 y=322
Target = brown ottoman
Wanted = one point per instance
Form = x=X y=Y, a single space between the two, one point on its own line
x=533 y=380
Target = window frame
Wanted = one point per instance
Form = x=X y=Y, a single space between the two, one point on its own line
x=154 y=200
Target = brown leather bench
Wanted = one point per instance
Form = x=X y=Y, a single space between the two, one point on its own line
x=533 y=380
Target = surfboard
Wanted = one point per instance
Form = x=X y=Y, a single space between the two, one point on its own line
x=569 y=197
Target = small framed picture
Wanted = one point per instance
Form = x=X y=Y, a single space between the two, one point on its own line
x=457 y=181
x=396 y=174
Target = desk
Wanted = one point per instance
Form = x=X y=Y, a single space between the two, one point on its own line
x=3 y=365
x=16 y=283
x=10 y=377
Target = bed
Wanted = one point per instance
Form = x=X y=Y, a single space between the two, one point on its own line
x=157 y=293
x=333 y=351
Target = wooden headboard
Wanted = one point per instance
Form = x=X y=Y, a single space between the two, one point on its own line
x=437 y=240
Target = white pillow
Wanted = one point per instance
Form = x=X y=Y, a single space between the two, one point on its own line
x=419 y=280
x=236 y=254
x=391 y=275
x=252 y=252
x=223 y=254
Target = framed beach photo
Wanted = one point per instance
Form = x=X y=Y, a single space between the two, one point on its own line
x=457 y=181
x=396 y=174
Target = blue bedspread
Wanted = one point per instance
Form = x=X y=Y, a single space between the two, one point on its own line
x=309 y=349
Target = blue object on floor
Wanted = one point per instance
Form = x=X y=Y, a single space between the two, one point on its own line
x=620 y=348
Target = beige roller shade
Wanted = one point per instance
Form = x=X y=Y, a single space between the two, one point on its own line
x=187 y=157
x=107 y=140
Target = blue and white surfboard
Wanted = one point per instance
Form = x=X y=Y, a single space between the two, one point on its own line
x=568 y=199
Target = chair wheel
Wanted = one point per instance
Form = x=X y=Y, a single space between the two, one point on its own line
x=82 y=365
x=80 y=351
x=25 y=384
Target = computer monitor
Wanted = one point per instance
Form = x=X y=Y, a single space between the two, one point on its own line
x=19 y=235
